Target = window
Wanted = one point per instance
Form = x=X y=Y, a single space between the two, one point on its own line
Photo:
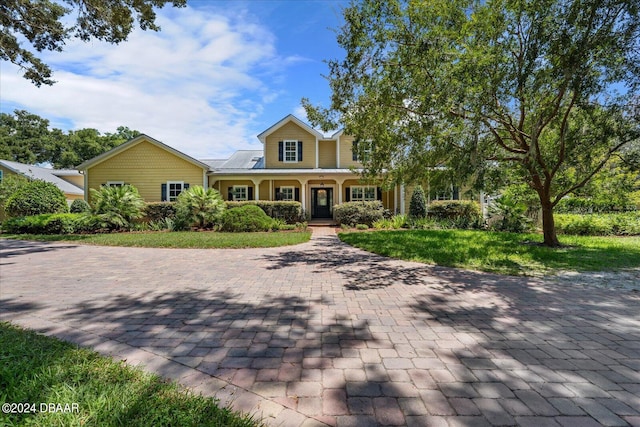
x=115 y=183
x=174 y=188
x=287 y=193
x=0 y=174
x=362 y=193
x=239 y=192
x=361 y=150
x=290 y=151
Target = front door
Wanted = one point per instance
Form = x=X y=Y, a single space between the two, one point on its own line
x=321 y=200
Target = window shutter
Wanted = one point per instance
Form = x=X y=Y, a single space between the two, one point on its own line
x=163 y=192
x=230 y=194
x=249 y=193
x=354 y=151
x=379 y=191
x=278 y=195
x=299 y=151
x=185 y=186
x=456 y=193
x=347 y=194
x=280 y=151
x=296 y=194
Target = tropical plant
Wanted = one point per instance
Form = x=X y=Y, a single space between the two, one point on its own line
x=199 y=207
x=418 y=204
x=36 y=197
x=116 y=207
x=506 y=214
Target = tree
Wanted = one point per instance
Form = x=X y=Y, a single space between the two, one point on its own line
x=418 y=204
x=43 y=23
x=199 y=207
x=546 y=88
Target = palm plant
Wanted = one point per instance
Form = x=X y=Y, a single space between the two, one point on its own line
x=116 y=207
x=199 y=207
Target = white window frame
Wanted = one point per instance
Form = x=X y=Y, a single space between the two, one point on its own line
x=363 y=197
x=286 y=149
x=171 y=198
x=288 y=197
x=245 y=189
x=366 y=152
x=115 y=183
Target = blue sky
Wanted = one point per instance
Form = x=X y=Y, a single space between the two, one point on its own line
x=218 y=73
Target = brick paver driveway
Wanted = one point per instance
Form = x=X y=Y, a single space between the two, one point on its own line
x=322 y=333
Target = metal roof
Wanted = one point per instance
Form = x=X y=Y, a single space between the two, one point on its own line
x=44 y=174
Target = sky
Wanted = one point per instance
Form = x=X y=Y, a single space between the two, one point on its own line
x=216 y=75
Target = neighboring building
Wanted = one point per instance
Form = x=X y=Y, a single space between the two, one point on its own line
x=296 y=163
x=69 y=181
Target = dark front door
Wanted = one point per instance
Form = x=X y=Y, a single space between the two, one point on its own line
x=322 y=200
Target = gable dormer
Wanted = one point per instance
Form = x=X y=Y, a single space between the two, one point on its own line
x=290 y=144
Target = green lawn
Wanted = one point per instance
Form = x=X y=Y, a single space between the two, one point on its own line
x=505 y=253
x=38 y=369
x=179 y=239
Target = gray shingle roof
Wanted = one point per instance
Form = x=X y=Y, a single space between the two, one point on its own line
x=44 y=174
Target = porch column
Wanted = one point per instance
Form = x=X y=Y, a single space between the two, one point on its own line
x=256 y=184
x=339 y=182
x=270 y=189
x=402 y=199
x=303 y=194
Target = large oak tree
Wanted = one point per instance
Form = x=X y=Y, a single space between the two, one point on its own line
x=547 y=88
x=31 y=26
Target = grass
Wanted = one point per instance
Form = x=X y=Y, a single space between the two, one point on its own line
x=39 y=369
x=504 y=253
x=179 y=239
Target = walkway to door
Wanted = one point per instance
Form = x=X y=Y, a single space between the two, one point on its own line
x=325 y=334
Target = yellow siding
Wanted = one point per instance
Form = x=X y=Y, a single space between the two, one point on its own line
x=264 y=190
x=346 y=155
x=290 y=131
x=146 y=167
x=327 y=154
x=77 y=180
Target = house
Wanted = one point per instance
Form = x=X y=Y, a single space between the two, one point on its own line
x=69 y=181
x=296 y=163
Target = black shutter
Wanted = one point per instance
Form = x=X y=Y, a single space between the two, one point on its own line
x=354 y=151
x=299 y=151
x=379 y=190
x=185 y=186
x=230 y=194
x=347 y=194
x=297 y=194
x=456 y=193
x=163 y=192
x=278 y=195
x=280 y=151
x=249 y=193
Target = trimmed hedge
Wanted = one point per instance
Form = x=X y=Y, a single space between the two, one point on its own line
x=79 y=206
x=36 y=197
x=582 y=205
x=353 y=213
x=290 y=212
x=463 y=213
x=67 y=223
x=158 y=211
x=611 y=224
x=245 y=218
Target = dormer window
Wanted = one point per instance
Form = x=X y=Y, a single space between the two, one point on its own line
x=290 y=151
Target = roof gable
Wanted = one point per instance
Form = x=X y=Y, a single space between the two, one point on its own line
x=290 y=118
x=133 y=142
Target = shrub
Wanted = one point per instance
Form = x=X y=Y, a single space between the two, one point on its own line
x=9 y=184
x=352 y=213
x=290 y=212
x=245 y=218
x=418 y=203
x=505 y=214
x=79 y=206
x=460 y=213
x=36 y=197
x=199 y=207
x=115 y=208
x=159 y=211
x=362 y=227
x=619 y=224
x=583 y=205
x=66 y=223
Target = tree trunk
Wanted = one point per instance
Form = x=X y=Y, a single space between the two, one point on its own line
x=548 y=224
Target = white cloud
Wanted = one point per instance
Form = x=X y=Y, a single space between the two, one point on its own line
x=197 y=85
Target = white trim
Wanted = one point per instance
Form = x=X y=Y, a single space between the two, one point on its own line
x=115 y=183
x=169 y=183
x=317 y=154
x=289 y=118
x=338 y=152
